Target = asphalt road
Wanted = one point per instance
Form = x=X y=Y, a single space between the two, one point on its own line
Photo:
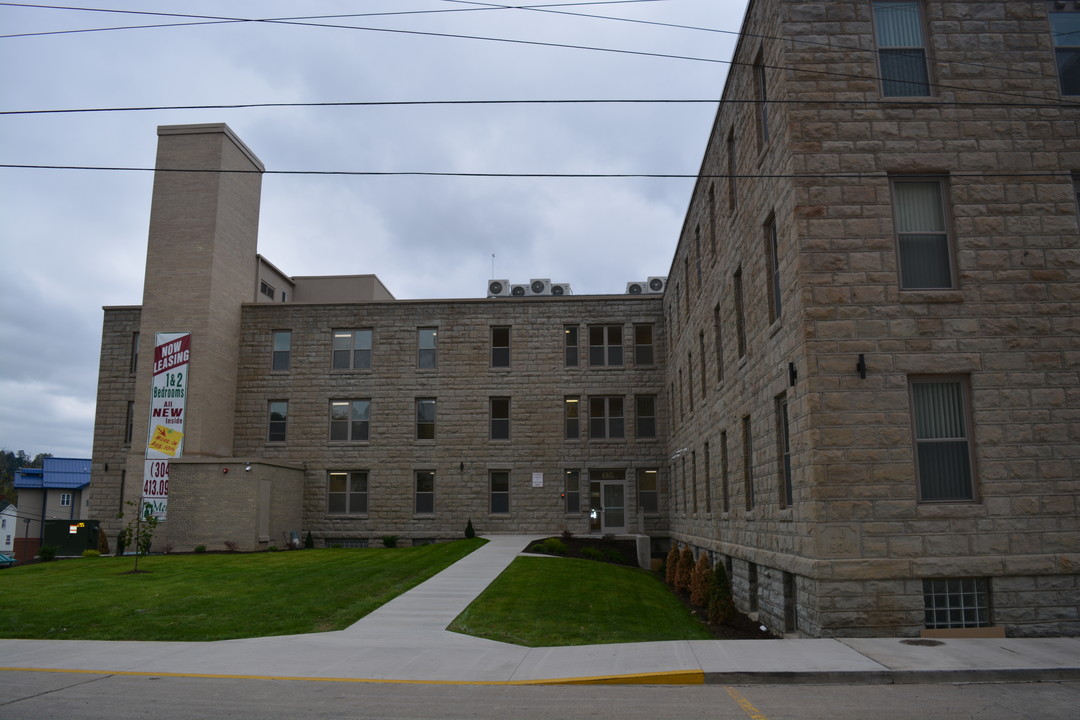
x=38 y=695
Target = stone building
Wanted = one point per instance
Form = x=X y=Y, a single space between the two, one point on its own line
x=859 y=389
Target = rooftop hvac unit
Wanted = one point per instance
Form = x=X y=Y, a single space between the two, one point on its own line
x=519 y=290
x=637 y=288
x=498 y=288
x=561 y=289
x=657 y=284
x=540 y=286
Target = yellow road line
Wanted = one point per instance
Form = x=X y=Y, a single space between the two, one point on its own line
x=749 y=709
x=681 y=677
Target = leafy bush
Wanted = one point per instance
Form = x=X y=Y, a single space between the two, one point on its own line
x=554 y=546
x=272 y=548
x=721 y=606
x=686 y=569
x=200 y=548
x=614 y=556
x=592 y=553
x=91 y=553
x=566 y=535
x=469 y=531
x=700 y=581
x=47 y=552
x=231 y=545
x=390 y=541
x=671 y=565
x=536 y=547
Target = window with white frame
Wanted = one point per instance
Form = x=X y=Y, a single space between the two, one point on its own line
x=425 y=418
x=943 y=454
x=347 y=492
x=570 y=344
x=956 y=602
x=606 y=417
x=427 y=348
x=605 y=345
x=922 y=236
x=277 y=420
x=572 y=417
x=65 y=499
x=282 y=349
x=1065 y=33
x=350 y=420
x=352 y=350
x=424 y=496
x=500 y=491
x=901 y=44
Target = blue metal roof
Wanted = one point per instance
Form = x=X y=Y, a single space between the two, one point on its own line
x=65 y=473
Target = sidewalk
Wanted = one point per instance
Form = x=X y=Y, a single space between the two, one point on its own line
x=406 y=641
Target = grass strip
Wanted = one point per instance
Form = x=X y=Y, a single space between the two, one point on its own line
x=549 y=602
x=212 y=596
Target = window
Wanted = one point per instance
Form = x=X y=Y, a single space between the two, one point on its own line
x=783 y=438
x=693 y=479
x=956 y=602
x=921 y=236
x=129 y=424
x=748 y=464
x=571 y=343
x=424 y=497
x=347 y=492
x=740 y=318
x=942 y=446
x=708 y=481
x=278 y=414
x=732 y=190
x=499 y=408
x=752 y=586
x=425 y=418
x=761 y=90
x=605 y=417
x=426 y=348
x=282 y=344
x=352 y=350
x=1076 y=188
x=725 y=494
x=898 y=30
x=648 y=491
x=134 y=352
x=605 y=345
x=266 y=289
x=572 y=491
x=645 y=415
x=350 y=419
x=500 y=491
x=690 y=380
x=701 y=362
x=572 y=416
x=643 y=345
x=719 y=342
x=1065 y=31
x=712 y=221
x=772 y=257
x=65 y=499
x=697 y=253
x=500 y=347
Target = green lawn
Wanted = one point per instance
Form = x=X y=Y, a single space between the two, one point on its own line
x=546 y=602
x=212 y=597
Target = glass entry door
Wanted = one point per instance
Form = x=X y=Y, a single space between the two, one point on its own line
x=607 y=502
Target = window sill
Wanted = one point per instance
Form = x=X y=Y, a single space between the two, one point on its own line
x=931 y=296
x=423 y=516
x=775 y=326
x=347 y=516
x=500 y=516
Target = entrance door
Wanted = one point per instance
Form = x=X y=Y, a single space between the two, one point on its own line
x=607 y=502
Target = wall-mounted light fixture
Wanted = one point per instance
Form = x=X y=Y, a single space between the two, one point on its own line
x=247 y=467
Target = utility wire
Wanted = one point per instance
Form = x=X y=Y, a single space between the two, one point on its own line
x=421 y=173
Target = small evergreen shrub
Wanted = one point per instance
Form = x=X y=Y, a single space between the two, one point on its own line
x=721 y=606
x=47 y=552
x=554 y=546
x=390 y=541
x=91 y=553
x=309 y=542
x=200 y=548
x=671 y=565
x=700 y=581
x=272 y=548
x=566 y=535
x=469 y=531
x=686 y=569
x=537 y=548
x=102 y=543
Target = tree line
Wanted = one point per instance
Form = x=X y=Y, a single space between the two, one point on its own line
x=10 y=462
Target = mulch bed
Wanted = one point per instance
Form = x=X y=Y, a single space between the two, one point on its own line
x=737 y=627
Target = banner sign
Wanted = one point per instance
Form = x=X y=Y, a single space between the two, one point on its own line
x=168 y=397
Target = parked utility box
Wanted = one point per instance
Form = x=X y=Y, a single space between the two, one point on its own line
x=71 y=537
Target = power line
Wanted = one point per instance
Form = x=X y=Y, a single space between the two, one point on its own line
x=427 y=173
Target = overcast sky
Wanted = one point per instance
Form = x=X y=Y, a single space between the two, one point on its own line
x=74 y=241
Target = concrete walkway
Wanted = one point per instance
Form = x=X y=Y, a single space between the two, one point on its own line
x=406 y=641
